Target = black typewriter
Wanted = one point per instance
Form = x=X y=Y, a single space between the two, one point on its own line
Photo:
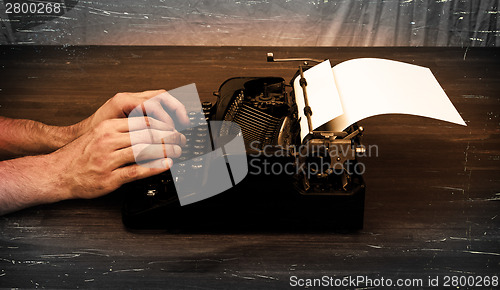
x=291 y=183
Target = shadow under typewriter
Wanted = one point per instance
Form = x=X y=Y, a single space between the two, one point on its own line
x=258 y=203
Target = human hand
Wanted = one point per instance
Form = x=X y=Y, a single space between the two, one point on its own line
x=103 y=159
x=120 y=106
x=95 y=156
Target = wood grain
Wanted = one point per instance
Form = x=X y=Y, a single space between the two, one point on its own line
x=432 y=193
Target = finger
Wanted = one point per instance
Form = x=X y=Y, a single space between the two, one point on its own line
x=146 y=95
x=135 y=172
x=151 y=137
x=140 y=123
x=129 y=101
x=142 y=153
x=174 y=105
x=145 y=137
x=154 y=109
x=124 y=125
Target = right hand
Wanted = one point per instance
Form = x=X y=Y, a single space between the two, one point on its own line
x=101 y=160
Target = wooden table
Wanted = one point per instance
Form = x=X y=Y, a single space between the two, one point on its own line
x=432 y=201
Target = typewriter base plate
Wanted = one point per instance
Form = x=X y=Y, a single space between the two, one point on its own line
x=257 y=203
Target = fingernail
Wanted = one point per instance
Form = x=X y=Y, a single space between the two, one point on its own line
x=167 y=163
x=183 y=140
x=177 y=150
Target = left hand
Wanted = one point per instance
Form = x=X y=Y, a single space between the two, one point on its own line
x=120 y=106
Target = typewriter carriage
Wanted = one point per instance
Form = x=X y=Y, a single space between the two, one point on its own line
x=265 y=109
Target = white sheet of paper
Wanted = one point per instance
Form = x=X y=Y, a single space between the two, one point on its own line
x=370 y=86
x=323 y=97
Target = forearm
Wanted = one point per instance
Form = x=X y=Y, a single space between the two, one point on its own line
x=91 y=158
x=29 y=181
x=19 y=137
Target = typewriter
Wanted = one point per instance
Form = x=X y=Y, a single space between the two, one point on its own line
x=292 y=182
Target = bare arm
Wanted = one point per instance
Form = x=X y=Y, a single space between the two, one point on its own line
x=24 y=184
x=95 y=163
x=19 y=137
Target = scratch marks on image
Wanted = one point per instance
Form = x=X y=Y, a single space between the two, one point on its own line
x=264 y=23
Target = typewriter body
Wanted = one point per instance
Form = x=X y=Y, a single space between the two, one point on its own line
x=291 y=183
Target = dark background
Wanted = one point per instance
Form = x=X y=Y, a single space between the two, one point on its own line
x=432 y=199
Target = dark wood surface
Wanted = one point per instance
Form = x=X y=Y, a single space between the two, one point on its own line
x=432 y=199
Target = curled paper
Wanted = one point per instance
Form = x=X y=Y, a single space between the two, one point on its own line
x=365 y=87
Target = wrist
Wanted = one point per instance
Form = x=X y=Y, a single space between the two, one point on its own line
x=62 y=135
x=30 y=181
x=54 y=184
x=80 y=128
